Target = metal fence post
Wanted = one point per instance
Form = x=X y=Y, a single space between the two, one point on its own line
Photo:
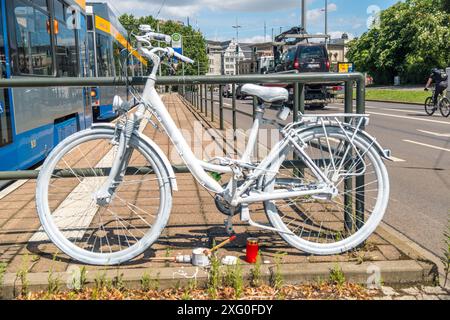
x=360 y=180
x=206 y=100
x=348 y=182
x=201 y=98
x=197 y=97
x=233 y=105
x=222 y=126
x=212 y=103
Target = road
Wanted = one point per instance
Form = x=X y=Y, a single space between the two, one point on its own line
x=420 y=176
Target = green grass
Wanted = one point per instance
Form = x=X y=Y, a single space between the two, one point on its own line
x=408 y=96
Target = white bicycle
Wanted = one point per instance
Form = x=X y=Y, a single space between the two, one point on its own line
x=118 y=183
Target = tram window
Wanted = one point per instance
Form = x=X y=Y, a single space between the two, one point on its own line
x=66 y=52
x=59 y=10
x=90 y=23
x=119 y=58
x=104 y=59
x=91 y=67
x=65 y=45
x=34 y=51
x=41 y=4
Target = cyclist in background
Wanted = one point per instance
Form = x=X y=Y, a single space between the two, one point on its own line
x=440 y=78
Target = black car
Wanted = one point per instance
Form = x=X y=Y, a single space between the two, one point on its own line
x=305 y=58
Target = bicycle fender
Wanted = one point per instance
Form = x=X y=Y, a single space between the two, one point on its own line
x=384 y=153
x=156 y=148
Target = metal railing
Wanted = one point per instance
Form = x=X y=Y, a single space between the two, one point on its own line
x=195 y=91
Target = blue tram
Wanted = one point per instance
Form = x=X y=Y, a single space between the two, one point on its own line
x=50 y=39
x=108 y=46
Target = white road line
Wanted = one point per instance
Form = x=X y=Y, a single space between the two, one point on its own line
x=408 y=118
x=427 y=145
x=16 y=185
x=442 y=135
x=388 y=109
x=397 y=159
x=75 y=213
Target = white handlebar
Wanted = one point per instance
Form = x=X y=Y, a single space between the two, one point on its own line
x=159 y=37
x=183 y=58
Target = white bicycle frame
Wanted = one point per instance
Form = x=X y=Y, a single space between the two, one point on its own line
x=233 y=194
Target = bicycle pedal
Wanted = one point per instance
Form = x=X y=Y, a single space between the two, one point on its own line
x=245 y=213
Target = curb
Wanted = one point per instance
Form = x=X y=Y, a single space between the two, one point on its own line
x=397 y=102
x=396 y=273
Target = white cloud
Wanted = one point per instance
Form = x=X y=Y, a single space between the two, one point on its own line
x=255 y=39
x=338 y=34
x=182 y=8
x=317 y=14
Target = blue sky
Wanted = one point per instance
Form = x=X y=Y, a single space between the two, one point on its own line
x=215 y=18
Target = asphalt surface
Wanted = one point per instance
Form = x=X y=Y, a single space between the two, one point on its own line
x=420 y=177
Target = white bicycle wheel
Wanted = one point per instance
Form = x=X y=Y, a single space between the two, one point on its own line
x=326 y=226
x=102 y=234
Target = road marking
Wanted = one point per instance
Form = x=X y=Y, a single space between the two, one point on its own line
x=396 y=159
x=408 y=118
x=427 y=145
x=74 y=213
x=388 y=109
x=8 y=190
x=442 y=135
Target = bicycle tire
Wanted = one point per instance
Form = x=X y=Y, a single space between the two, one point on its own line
x=430 y=109
x=274 y=214
x=444 y=107
x=57 y=228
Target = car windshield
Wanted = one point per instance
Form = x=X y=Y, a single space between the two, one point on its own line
x=311 y=52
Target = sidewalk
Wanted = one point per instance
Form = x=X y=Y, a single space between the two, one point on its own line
x=195 y=222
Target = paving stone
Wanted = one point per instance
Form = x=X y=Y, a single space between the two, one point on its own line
x=390 y=252
x=433 y=290
x=405 y=298
x=411 y=291
x=427 y=297
x=388 y=291
x=383 y=298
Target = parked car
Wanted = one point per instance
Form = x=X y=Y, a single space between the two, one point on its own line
x=239 y=94
x=227 y=91
x=307 y=57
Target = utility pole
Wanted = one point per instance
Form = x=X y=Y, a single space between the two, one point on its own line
x=265 y=31
x=237 y=27
x=304 y=15
x=326 y=24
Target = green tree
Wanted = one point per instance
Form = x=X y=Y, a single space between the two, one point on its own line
x=194 y=43
x=411 y=39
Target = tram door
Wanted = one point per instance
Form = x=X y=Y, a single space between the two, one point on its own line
x=5 y=108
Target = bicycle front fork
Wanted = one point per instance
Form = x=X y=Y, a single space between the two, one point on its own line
x=105 y=194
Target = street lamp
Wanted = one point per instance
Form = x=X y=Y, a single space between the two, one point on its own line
x=237 y=27
x=326 y=23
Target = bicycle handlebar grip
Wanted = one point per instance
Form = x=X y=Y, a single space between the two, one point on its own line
x=183 y=58
x=160 y=37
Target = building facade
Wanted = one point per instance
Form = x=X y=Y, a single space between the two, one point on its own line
x=225 y=57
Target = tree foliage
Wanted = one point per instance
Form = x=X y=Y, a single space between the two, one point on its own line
x=412 y=38
x=194 y=44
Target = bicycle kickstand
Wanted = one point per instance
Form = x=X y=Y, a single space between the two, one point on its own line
x=229 y=224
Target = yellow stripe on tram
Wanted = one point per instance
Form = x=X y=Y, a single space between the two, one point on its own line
x=105 y=26
x=82 y=4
